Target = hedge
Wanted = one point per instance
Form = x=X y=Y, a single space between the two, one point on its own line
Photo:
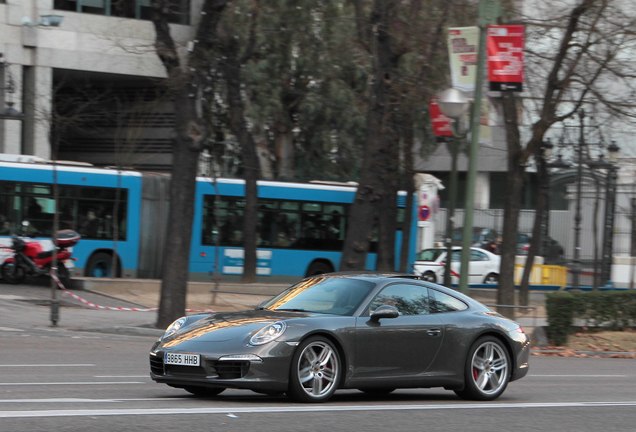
x=611 y=310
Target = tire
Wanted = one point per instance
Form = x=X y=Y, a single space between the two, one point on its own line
x=491 y=279
x=204 y=391
x=12 y=273
x=100 y=265
x=64 y=275
x=315 y=371
x=429 y=276
x=318 y=267
x=487 y=370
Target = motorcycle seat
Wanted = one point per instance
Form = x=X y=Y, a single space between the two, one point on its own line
x=45 y=254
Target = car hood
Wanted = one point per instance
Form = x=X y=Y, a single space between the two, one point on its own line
x=224 y=326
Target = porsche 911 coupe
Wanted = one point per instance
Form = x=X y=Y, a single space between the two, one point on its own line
x=372 y=332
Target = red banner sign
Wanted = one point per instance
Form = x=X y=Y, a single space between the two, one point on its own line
x=441 y=124
x=505 y=57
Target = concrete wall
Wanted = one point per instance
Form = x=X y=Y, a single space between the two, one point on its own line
x=83 y=42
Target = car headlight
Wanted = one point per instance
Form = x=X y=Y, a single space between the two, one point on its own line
x=268 y=333
x=174 y=327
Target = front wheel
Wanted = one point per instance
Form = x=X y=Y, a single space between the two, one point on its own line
x=64 y=275
x=13 y=273
x=487 y=370
x=315 y=371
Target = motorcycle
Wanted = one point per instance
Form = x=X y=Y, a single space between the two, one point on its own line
x=29 y=259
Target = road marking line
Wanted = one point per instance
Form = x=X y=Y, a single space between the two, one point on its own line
x=122 y=376
x=50 y=365
x=79 y=400
x=70 y=383
x=296 y=408
x=578 y=376
x=10 y=329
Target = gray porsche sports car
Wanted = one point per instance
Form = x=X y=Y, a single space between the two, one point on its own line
x=373 y=332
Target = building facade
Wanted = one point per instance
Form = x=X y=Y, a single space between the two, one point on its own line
x=86 y=79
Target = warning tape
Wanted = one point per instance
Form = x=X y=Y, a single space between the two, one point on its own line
x=92 y=305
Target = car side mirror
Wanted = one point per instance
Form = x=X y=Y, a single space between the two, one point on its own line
x=384 y=311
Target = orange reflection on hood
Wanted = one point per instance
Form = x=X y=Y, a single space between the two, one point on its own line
x=213 y=326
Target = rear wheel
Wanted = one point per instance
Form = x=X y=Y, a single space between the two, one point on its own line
x=204 y=391
x=318 y=267
x=64 y=275
x=491 y=279
x=487 y=370
x=12 y=273
x=100 y=265
x=429 y=276
x=315 y=371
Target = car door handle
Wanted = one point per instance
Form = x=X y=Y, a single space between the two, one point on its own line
x=434 y=332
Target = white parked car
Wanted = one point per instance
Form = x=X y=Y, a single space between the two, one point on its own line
x=483 y=266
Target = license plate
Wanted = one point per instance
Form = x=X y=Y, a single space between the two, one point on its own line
x=182 y=359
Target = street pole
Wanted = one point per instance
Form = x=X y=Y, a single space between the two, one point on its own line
x=576 y=267
x=489 y=11
x=451 y=210
x=608 y=227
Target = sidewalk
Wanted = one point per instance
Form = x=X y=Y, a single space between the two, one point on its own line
x=129 y=305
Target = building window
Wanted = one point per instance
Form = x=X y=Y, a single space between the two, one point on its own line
x=138 y=9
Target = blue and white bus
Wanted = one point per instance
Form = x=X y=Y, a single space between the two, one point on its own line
x=301 y=227
x=121 y=216
x=102 y=205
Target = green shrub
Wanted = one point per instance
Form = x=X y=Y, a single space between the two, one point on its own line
x=560 y=309
x=614 y=310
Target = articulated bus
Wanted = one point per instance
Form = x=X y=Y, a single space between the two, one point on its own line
x=122 y=214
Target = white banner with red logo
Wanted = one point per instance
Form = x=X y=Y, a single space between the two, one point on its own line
x=463 y=46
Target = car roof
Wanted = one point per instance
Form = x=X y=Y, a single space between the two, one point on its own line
x=375 y=277
x=369 y=275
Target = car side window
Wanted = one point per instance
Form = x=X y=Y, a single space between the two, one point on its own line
x=441 y=302
x=408 y=299
x=478 y=256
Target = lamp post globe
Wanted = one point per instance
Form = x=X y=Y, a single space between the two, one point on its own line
x=453 y=103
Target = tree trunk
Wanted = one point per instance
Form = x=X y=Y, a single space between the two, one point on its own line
x=190 y=133
x=506 y=291
x=376 y=192
x=251 y=171
x=540 y=214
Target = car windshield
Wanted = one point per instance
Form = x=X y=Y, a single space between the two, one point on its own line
x=329 y=295
x=430 y=254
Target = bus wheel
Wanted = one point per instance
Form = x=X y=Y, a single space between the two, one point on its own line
x=318 y=267
x=100 y=265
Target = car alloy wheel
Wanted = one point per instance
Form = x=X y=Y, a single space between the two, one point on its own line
x=315 y=370
x=487 y=370
x=492 y=278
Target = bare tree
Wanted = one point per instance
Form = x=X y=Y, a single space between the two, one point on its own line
x=184 y=79
x=571 y=65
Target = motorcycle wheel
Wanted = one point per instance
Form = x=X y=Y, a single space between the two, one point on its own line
x=12 y=273
x=64 y=275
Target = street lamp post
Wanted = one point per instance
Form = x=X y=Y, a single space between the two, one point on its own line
x=576 y=261
x=454 y=104
x=610 y=209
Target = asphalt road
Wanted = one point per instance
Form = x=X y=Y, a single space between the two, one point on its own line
x=69 y=379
